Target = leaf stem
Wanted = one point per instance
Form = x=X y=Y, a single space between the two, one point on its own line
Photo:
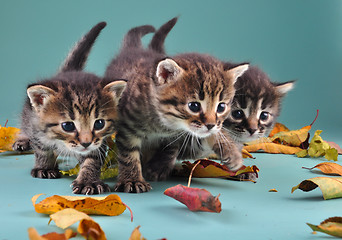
x=192 y=171
x=315 y=118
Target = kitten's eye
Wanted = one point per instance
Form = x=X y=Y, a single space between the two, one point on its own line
x=221 y=107
x=194 y=106
x=99 y=124
x=68 y=126
x=264 y=116
x=238 y=114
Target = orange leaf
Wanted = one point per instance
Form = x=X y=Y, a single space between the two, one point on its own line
x=212 y=169
x=272 y=148
x=110 y=205
x=91 y=230
x=34 y=235
x=278 y=127
x=8 y=136
x=136 y=235
x=328 y=168
x=246 y=154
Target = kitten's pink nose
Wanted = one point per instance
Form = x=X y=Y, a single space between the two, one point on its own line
x=85 y=145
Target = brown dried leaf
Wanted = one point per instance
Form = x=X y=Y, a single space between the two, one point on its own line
x=328 y=168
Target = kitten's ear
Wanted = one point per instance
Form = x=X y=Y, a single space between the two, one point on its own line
x=237 y=71
x=168 y=70
x=283 y=88
x=116 y=88
x=39 y=96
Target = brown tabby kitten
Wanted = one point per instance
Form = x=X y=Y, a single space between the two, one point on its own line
x=167 y=102
x=257 y=100
x=71 y=114
x=256 y=105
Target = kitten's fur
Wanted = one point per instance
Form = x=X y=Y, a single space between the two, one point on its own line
x=257 y=100
x=256 y=105
x=71 y=114
x=167 y=103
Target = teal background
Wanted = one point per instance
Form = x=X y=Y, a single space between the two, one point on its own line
x=290 y=40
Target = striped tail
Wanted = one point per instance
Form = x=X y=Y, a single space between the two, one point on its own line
x=157 y=42
x=133 y=38
x=78 y=55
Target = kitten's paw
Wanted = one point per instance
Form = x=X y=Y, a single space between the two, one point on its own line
x=97 y=187
x=248 y=177
x=233 y=164
x=131 y=186
x=22 y=145
x=45 y=173
x=157 y=175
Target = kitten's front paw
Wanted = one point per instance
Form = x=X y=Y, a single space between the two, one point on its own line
x=248 y=177
x=97 y=187
x=22 y=145
x=233 y=164
x=45 y=173
x=131 y=186
x=157 y=174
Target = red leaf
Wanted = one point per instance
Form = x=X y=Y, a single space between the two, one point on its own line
x=195 y=199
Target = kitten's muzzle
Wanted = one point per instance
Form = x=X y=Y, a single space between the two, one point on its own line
x=86 y=144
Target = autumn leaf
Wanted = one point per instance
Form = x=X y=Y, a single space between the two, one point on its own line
x=328 y=168
x=319 y=148
x=275 y=148
x=336 y=146
x=194 y=198
x=331 y=226
x=110 y=205
x=8 y=136
x=34 y=235
x=278 y=127
x=87 y=226
x=136 y=235
x=91 y=230
x=330 y=187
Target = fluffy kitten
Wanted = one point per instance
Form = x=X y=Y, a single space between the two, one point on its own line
x=167 y=103
x=256 y=105
x=71 y=114
x=257 y=100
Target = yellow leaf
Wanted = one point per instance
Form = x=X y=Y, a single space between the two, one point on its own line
x=328 y=168
x=272 y=148
x=110 y=205
x=8 y=136
x=136 y=235
x=330 y=187
x=34 y=235
x=278 y=127
x=67 y=217
x=331 y=226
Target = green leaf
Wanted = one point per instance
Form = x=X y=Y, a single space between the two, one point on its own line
x=331 y=226
x=330 y=187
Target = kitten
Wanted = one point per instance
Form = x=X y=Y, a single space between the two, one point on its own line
x=71 y=114
x=257 y=100
x=256 y=105
x=167 y=102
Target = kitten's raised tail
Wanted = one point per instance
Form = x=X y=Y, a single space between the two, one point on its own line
x=78 y=55
x=157 y=42
x=133 y=38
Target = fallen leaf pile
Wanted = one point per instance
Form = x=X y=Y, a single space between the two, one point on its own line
x=7 y=137
x=331 y=226
x=284 y=141
x=67 y=210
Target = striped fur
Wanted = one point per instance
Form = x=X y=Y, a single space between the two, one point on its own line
x=156 y=116
x=256 y=105
x=71 y=114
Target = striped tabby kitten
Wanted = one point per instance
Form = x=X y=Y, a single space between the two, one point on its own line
x=169 y=103
x=71 y=114
x=256 y=105
x=257 y=100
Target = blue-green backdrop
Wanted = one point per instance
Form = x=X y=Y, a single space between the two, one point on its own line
x=290 y=40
